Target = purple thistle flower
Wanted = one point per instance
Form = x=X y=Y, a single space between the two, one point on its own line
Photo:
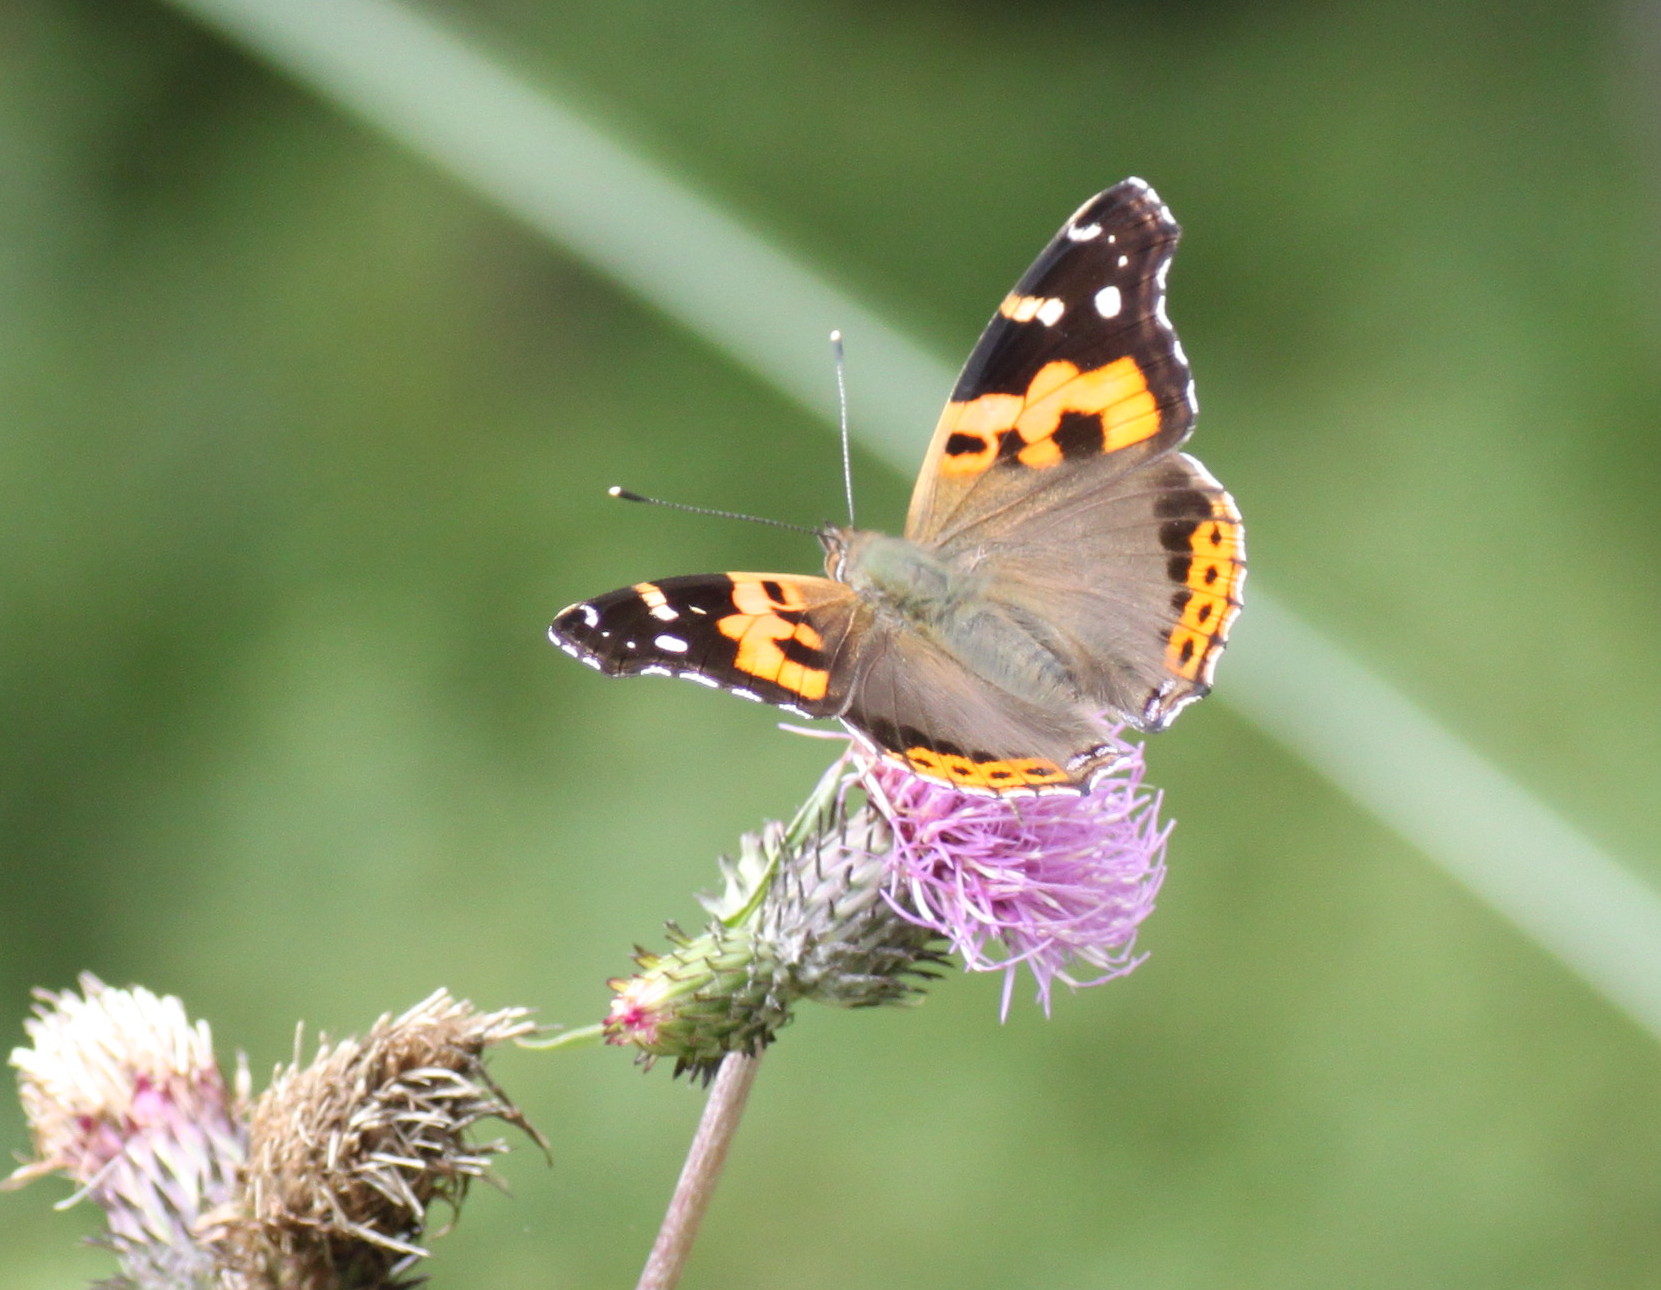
x=1060 y=882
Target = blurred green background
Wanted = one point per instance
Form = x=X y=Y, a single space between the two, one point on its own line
x=301 y=445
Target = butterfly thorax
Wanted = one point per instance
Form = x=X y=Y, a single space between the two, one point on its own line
x=897 y=574
x=945 y=600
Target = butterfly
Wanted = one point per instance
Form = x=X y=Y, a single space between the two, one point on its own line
x=1065 y=572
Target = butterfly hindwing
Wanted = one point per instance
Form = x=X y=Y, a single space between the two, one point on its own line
x=780 y=638
x=1078 y=375
x=919 y=707
x=1133 y=586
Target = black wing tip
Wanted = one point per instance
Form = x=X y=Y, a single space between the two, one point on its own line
x=579 y=616
x=1129 y=201
x=574 y=631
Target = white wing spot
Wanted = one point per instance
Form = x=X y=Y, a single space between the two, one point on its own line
x=1109 y=300
x=1049 y=313
x=1084 y=233
x=1124 y=260
x=655 y=670
x=664 y=614
x=700 y=678
x=674 y=644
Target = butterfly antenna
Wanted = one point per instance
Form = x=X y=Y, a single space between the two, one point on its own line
x=842 y=405
x=624 y=494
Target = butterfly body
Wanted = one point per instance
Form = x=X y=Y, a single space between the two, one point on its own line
x=951 y=602
x=1064 y=570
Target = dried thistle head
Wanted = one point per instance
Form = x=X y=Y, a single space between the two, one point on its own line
x=347 y=1156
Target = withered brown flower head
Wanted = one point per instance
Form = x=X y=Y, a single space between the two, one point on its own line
x=347 y=1156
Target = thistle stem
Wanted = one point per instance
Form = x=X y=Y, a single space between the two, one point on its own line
x=704 y=1159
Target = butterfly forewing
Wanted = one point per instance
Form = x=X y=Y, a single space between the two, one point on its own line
x=1078 y=375
x=780 y=638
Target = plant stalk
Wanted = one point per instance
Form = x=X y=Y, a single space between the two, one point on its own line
x=699 y=1175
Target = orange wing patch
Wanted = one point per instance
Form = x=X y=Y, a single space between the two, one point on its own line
x=1046 y=309
x=982 y=776
x=768 y=622
x=1209 y=598
x=1064 y=413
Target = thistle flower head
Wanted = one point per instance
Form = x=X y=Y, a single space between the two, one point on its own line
x=1057 y=884
x=849 y=904
x=123 y=1097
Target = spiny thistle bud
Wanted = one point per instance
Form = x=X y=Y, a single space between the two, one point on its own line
x=850 y=904
x=123 y=1097
x=801 y=916
x=347 y=1155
